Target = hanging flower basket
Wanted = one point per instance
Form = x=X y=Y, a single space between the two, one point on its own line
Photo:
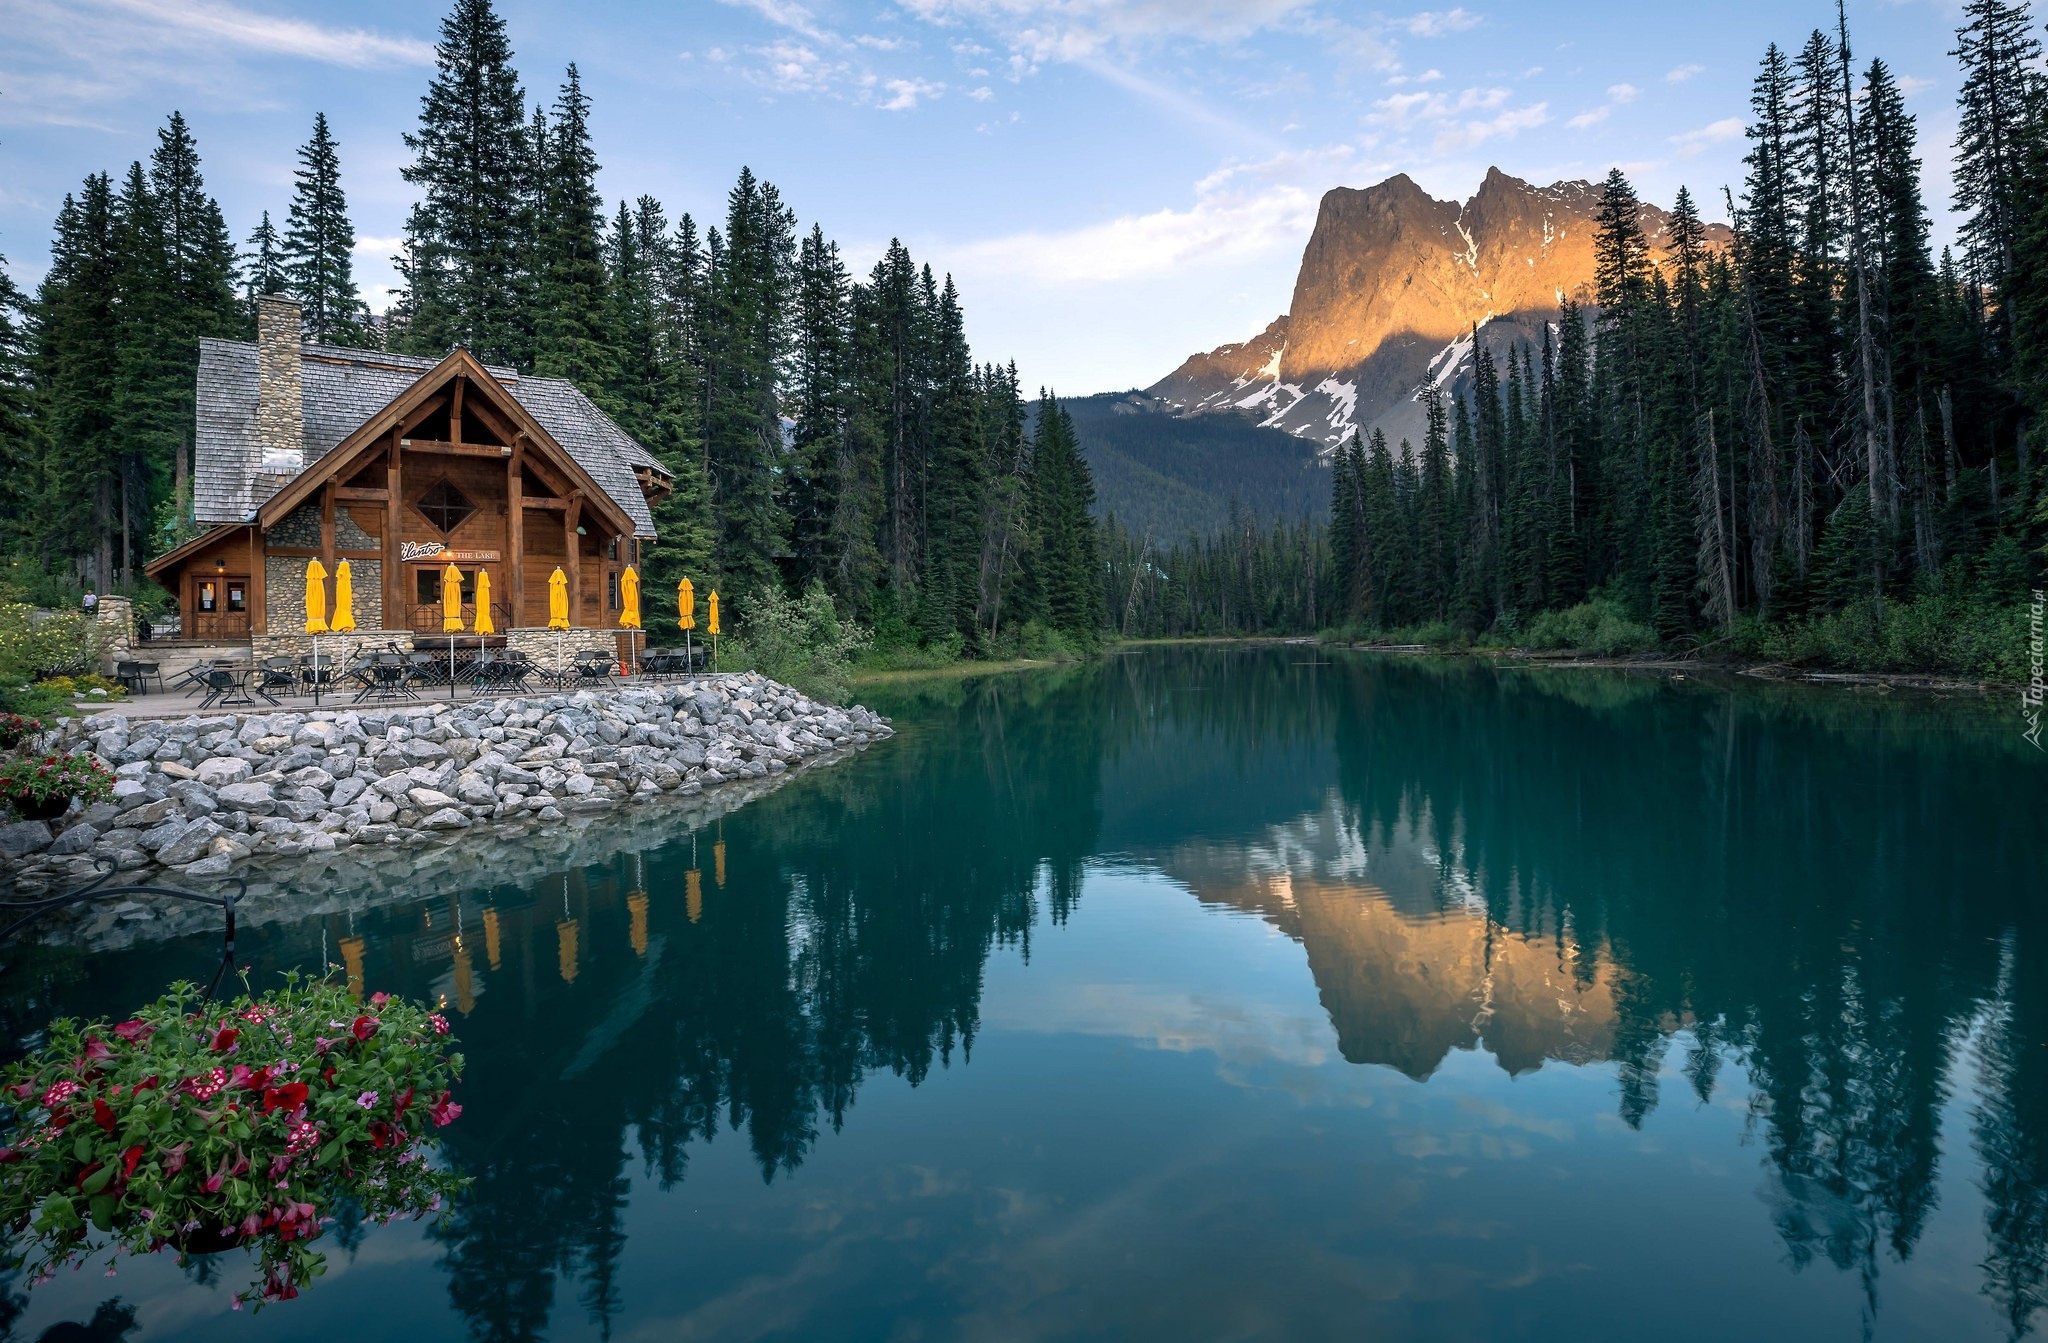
x=200 y=1130
x=43 y=787
x=15 y=729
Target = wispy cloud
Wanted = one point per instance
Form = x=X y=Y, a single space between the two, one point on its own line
x=251 y=31
x=1591 y=117
x=1068 y=30
x=1718 y=132
x=1434 y=23
x=1224 y=224
x=1683 y=73
x=904 y=94
x=1623 y=93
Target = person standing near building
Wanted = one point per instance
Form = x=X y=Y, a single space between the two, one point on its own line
x=91 y=602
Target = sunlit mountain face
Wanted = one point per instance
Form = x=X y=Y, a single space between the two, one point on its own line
x=1207 y=991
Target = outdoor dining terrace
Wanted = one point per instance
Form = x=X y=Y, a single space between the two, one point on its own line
x=449 y=669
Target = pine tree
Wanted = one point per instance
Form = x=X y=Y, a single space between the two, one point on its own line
x=569 y=329
x=77 y=360
x=320 y=244
x=2000 y=110
x=819 y=406
x=746 y=337
x=262 y=266
x=956 y=489
x=468 y=254
x=1067 y=558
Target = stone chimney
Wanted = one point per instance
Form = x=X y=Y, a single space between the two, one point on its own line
x=280 y=420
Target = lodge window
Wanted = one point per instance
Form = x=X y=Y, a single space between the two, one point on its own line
x=427 y=586
x=612 y=591
x=238 y=597
x=207 y=600
x=445 y=506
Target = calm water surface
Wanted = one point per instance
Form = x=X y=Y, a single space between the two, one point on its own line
x=1229 y=994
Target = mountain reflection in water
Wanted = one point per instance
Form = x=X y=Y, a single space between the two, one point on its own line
x=1815 y=907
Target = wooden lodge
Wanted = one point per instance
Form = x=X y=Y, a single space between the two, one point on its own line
x=400 y=466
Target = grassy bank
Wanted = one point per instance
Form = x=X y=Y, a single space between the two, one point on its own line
x=1934 y=635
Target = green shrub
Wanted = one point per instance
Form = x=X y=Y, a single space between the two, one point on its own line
x=36 y=645
x=1036 y=640
x=800 y=642
x=1944 y=630
x=1600 y=626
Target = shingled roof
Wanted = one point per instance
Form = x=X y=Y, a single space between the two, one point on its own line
x=339 y=389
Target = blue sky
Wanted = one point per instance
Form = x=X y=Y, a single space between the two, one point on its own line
x=1114 y=183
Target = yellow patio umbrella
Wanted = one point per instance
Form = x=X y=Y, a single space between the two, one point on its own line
x=451 y=616
x=686 y=616
x=483 y=603
x=451 y=600
x=316 y=597
x=558 y=612
x=629 y=612
x=558 y=600
x=711 y=623
x=344 y=621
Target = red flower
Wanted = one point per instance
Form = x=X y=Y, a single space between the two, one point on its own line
x=258 y=1080
x=401 y=1105
x=134 y=1032
x=327 y=1074
x=148 y=1083
x=130 y=1158
x=174 y=1160
x=379 y=999
x=96 y=1048
x=224 y=1039
x=382 y=1135
x=8 y=1156
x=86 y=1174
x=445 y=1111
x=364 y=1027
x=290 y=1096
x=103 y=1114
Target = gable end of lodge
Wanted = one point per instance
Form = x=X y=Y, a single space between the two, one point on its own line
x=400 y=466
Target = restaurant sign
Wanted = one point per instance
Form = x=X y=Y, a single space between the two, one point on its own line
x=411 y=551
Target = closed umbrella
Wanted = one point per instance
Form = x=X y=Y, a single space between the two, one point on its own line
x=558 y=612
x=711 y=623
x=344 y=621
x=316 y=597
x=483 y=603
x=451 y=616
x=686 y=616
x=629 y=612
x=316 y=615
x=483 y=618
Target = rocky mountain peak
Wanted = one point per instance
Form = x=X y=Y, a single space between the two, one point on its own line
x=1391 y=286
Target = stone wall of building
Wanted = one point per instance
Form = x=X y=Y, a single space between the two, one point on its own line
x=280 y=415
x=284 y=595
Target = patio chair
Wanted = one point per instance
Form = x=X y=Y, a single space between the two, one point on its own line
x=275 y=676
x=136 y=676
x=317 y=671
x=593 y=668
x=192 y=680
x=224 y=686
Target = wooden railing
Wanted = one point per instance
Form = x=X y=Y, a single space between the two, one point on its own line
x=426 y=618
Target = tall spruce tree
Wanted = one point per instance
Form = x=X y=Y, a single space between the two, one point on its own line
x=467 y=262
x=320 y=243
x=570 y=340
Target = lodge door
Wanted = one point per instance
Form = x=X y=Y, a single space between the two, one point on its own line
x=219 y=607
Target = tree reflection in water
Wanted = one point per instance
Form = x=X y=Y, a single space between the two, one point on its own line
x=1814 y=893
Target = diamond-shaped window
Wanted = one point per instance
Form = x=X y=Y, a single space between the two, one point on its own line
x=445 y=506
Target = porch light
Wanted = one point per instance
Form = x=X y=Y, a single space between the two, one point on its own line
x=581 y=532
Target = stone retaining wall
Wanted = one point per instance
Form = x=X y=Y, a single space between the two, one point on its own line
x=203 y=795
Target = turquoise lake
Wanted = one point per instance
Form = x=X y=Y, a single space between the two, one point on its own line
x=1210 y=993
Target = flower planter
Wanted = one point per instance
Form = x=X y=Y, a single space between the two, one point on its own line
x=41 y=808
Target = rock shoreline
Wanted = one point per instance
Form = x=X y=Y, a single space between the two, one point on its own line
x=202 y=796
